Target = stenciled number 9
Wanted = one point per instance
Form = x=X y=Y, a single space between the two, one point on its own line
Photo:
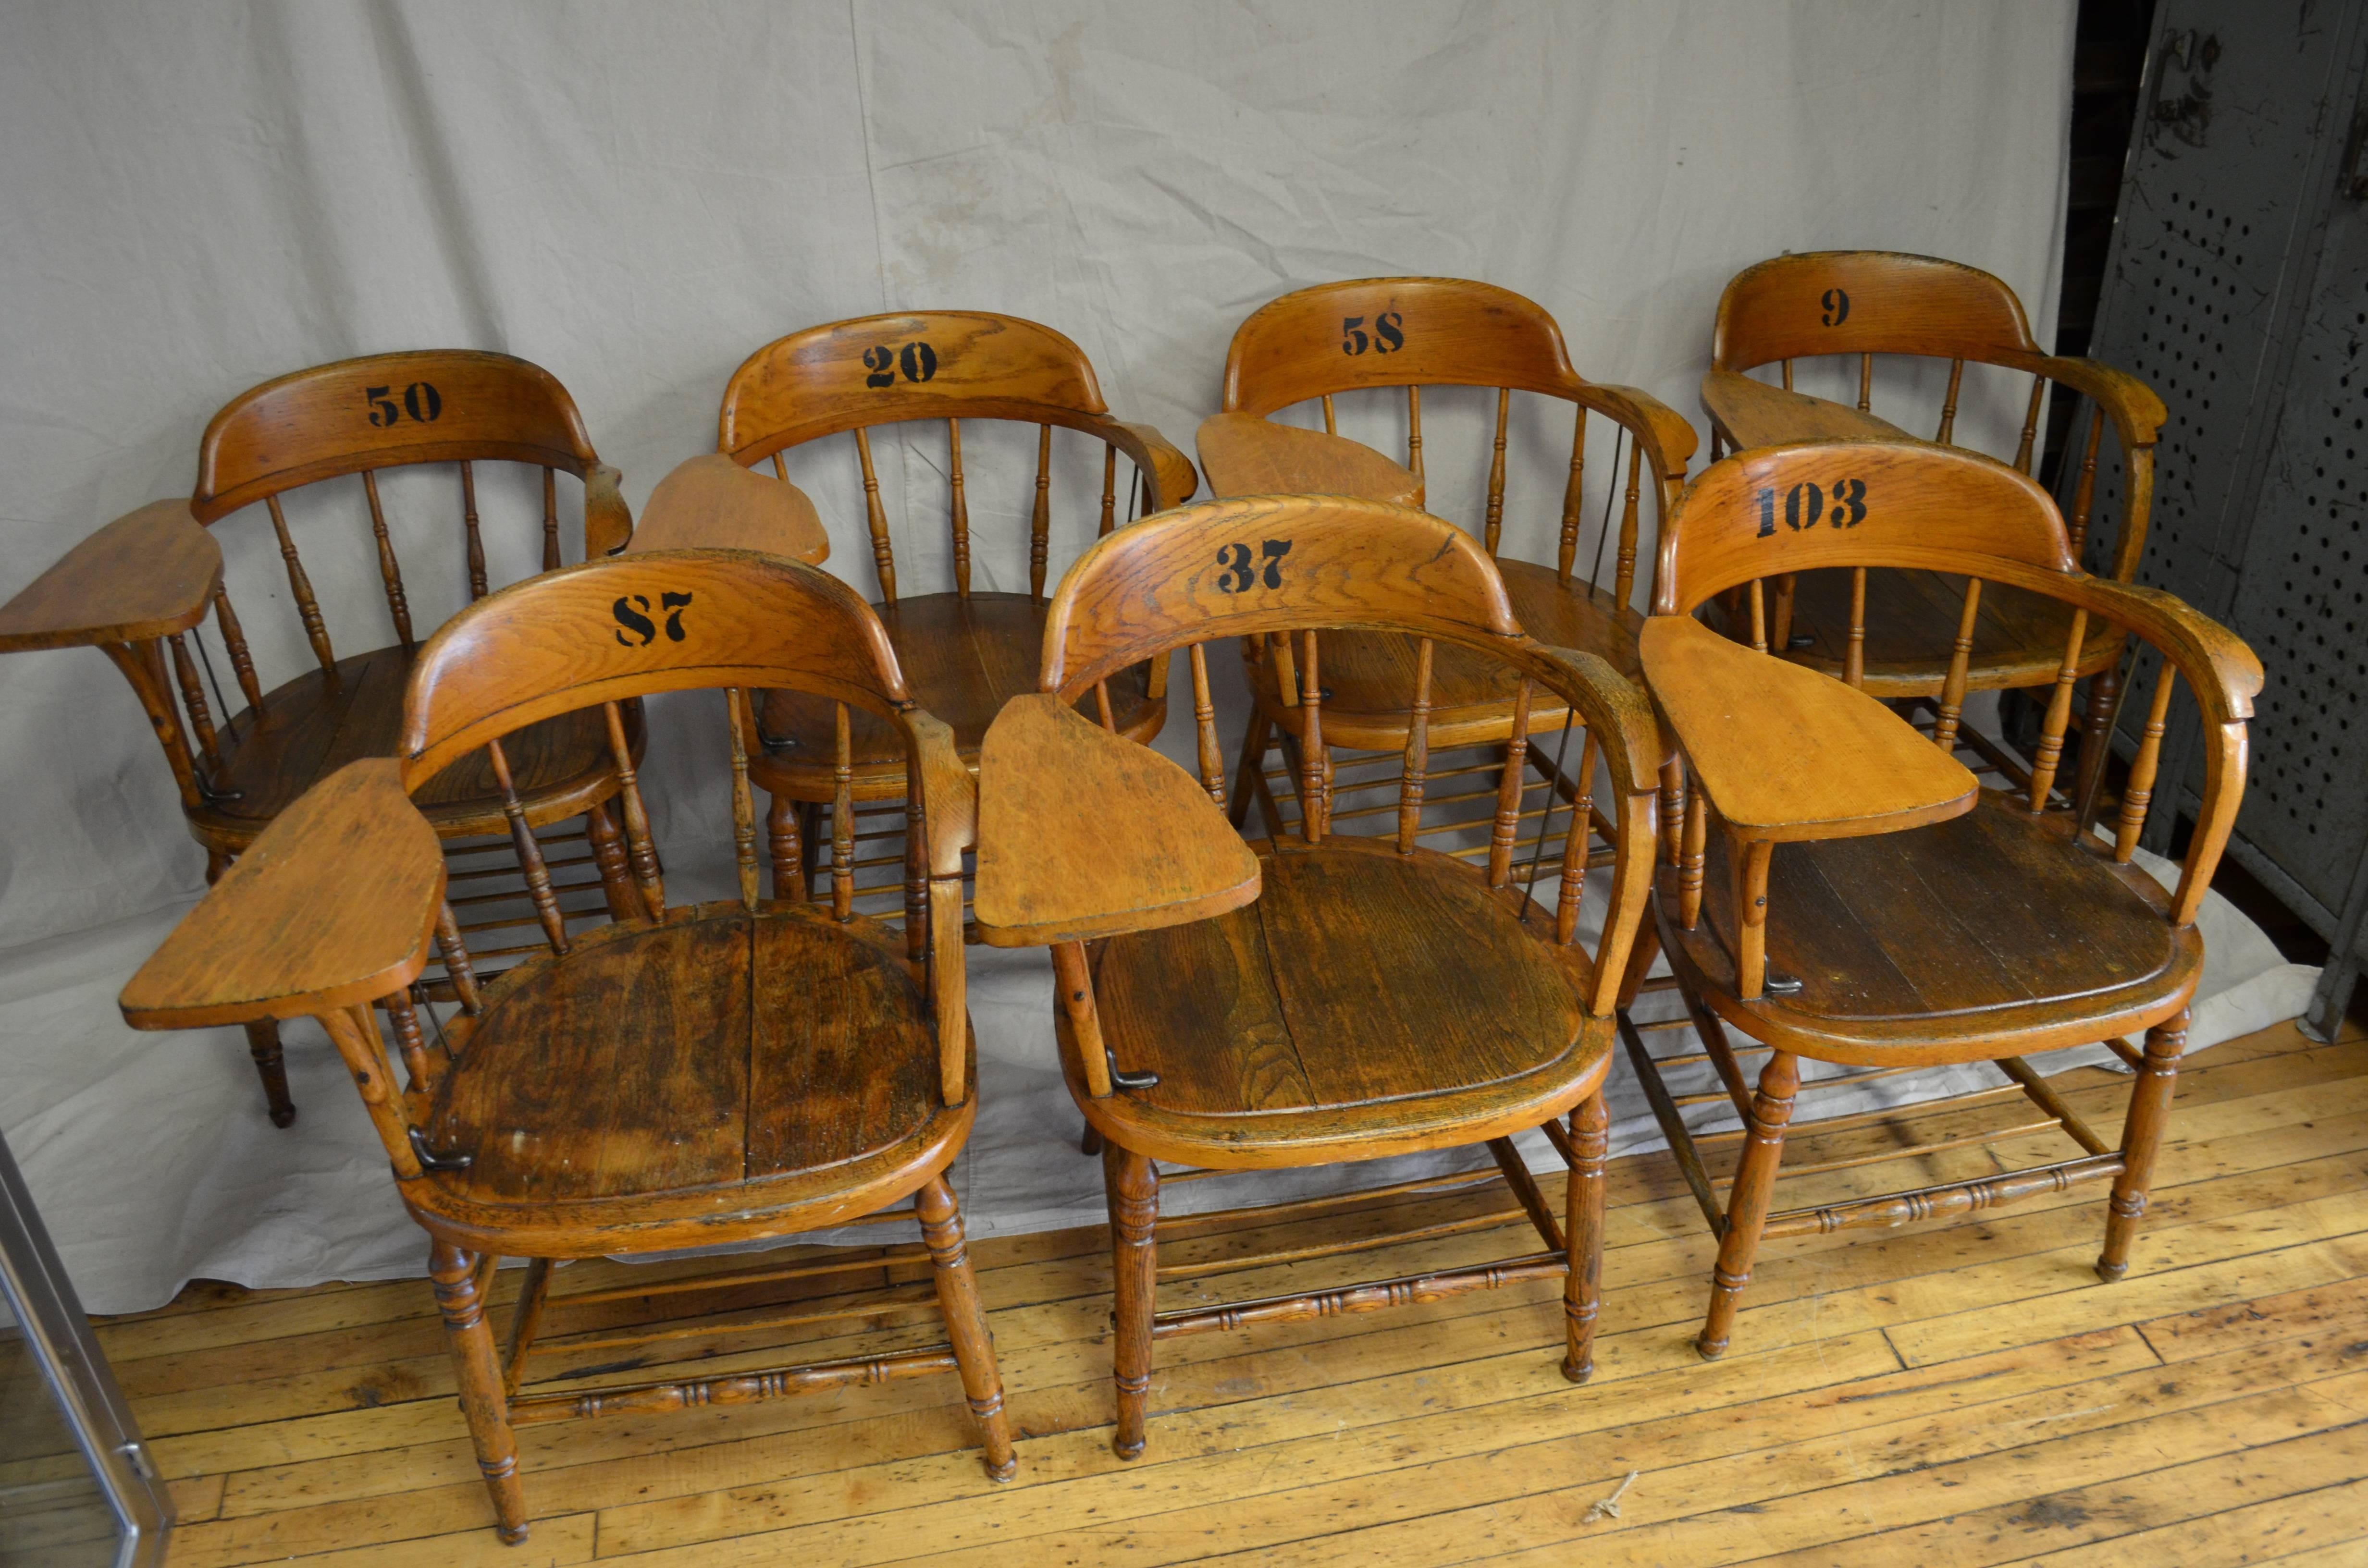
x=1836 y=305
x=1238 y=576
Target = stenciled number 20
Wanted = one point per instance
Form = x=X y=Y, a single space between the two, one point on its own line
x=420 y=400
x=1388 y=336
x=1241 y=573
x=1844 y=506
x=917 y=361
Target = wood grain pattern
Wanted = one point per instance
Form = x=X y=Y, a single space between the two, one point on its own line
x=1786 y=755
x=711 y=502
x=1749 y=413
x=149 y=573
x=1244 y=454
x=1053 y=792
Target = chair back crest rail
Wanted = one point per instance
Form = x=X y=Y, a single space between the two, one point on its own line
x=1412 y=333
x=1285 y=567
x=1864 y=303
x=852 y=377
x=1772 y=511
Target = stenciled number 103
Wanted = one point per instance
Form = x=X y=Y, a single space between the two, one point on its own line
x=1841 y=506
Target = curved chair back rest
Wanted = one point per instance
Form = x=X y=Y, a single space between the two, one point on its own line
x=1410 y=333
x=1865 y=302
x=1855 y=505
x=948 y=365
x=391 y=411
x=1393 y=332
x=1266 y=567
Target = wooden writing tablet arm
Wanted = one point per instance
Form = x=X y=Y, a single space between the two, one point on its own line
x=1784 y=754
x=608 y=521
x=149 y=573
x=711 y=502
x=331 y=909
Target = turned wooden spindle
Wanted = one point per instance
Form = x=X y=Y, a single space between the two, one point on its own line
x=2022 y=453
x=1759 y=615
x=1573 y=892
x=1866 y=383
x=1040 y=522
x=1623 y=580
x=1414 y=430
x=1949 y=404
x=785 y=845
x=1854 y=656
x=1693 y=847
x=2139 y=790
x=241 y=661
x=530 y=853
x=308 y=608
x=410 y=1041
x=1109 y=490
x=475 y=537
x=457 y=966
x=1960 y=654
x=550 y=562
x=741 y=724
x=398 y=604
x=1573 y=494
x=1417 y=751
x=875 y=517
x=1496 y=514
x=958 y=511
x=842 y=819
x=1510 y=781
x=142 y=664
x=1311 y=743
x=2059 y=715
x=193 y=699
x=2084 y=495
x=1331 y=423
x=641 y=849
x=1204 y=728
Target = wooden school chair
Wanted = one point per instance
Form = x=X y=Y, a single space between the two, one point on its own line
x=969 y=650
x=1896 y=627
x=1394 y=339
x=1845 y=893
x=139 y=589
x=1334 y=996
x=689 y=1075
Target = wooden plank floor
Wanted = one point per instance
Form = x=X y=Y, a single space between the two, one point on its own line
x=1947 y=1394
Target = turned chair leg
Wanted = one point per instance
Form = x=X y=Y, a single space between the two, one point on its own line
x=1133 y=1186
x=263 y=1044
x=785 y=841
x=479 y=1370
x=1582 y=1291
x=617 y=887
x=1089 y=1141
x=1747 y=1203
x=941 y=1228
x=2141 y=1138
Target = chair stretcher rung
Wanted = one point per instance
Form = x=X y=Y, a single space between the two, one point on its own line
x=1404 y=1290
x=756 y=1325
x=1950 y=1197
x=1938 y=1146
x=1334 y=1249
x=738 y=1389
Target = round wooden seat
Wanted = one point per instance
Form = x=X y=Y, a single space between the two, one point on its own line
x=1460 y=1025
x=963 y=659
x=313 y=727
x=660 y=1079
x=1911 y=619
x=1936 y=944
x=1367 y=676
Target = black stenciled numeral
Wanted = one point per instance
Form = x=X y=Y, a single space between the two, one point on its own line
x=1352 y=337
x=1843 y=506
x=1272 y=552
x=1849 y=493
x=1389 y=333
x=1767 y=515
x=916 y=359
x=631 y=613
x=1836 y=305
x=1803 y=504
x=1238 y=576
x=420 y=399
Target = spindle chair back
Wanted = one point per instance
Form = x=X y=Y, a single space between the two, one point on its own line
x=1392 y=339
x=694 y=1074
x=970 y=650
x=235 y=774
x=1864 y=902
x=1344 y=994
x=1852 y=307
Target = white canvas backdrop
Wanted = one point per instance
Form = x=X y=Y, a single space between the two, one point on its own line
x=201 y=195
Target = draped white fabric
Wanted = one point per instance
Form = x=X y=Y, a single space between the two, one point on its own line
x=201 y=195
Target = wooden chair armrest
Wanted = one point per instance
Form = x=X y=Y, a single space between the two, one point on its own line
x=1751 y=413
x=711 y=503
x=147 y=575
x=2136 y=410
x=948 y=794
x=332 y=906
x=608 y=521
x=1084 y=834
x=1174 y=480
x=1248 y=454
x=1786 y=755
x=1666 y=435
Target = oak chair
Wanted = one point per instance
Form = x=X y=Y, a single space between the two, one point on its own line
x=967 y=651
x=139 y=588
x=1863 y=902
x=1332 y=998
x=689 y=1076
x=1895 y=627
x=1395 y=338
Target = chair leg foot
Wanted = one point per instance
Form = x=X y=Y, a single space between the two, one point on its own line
x=1133 y=1184
x=1706 y=1348
x=513 y=1535
x=1090 y=1140
x=478 y=1370
x=2141 y=1140
x=941 y=1229
x=271 y=1066
x=1582 y=1294
x=1746 y=1204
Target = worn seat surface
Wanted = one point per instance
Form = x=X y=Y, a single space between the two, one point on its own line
x=1911 y=622
x=722 y=1062
x=1367 y=1002
x=1943 y=940
x=312 y=727
x=963 y=659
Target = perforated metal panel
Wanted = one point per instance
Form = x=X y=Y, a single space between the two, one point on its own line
x=2237 y=287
